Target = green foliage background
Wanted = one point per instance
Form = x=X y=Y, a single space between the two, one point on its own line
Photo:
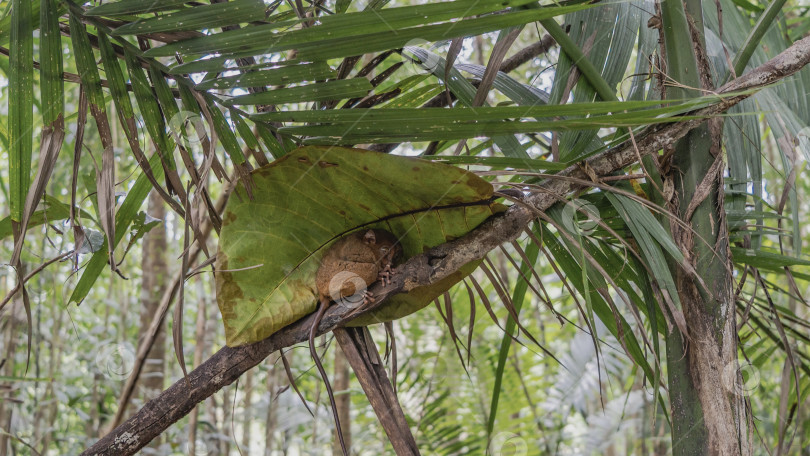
x=570 y=278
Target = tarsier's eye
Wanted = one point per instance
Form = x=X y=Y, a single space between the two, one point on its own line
x=384 y=249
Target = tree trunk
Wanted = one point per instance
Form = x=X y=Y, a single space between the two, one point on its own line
x=225 y=429
x=199 y=349
x=155 y=276
x=247 y=414
x=362 y=355
x=153 y=285
x=12 y=319
x=46 y=415
x=707 y=416
x=270 y=421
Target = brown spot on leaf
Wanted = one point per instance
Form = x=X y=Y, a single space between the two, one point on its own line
x=364 y=207
x=227 y=289
x=415 y=168
x=230 y=291
x=303 y=160
x=326 y=164
x=481 y=187
x=230 y=217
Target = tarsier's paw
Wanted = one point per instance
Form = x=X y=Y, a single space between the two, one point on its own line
x=385 y=275
x=385 y=278
x=368 y=297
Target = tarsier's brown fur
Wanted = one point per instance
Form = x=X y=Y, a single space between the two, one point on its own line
x=367 y=256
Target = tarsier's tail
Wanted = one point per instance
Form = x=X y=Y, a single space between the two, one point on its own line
x=313 y=331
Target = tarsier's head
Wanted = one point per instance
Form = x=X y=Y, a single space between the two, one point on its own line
x=386 y=247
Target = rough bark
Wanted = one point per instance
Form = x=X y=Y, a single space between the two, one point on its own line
x=360 y=351
x=708 y=416
x=228 y=364
x=524 y=55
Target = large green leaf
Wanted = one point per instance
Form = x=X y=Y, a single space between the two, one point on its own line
x=270 y=247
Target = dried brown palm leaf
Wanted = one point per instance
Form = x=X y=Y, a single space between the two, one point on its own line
x=293 y=383
x=517 y=267
x=50 y=145
x=389 y=330
x=81 y=121
x=510 y=306
x=543 y=296
x=791 y=361
x=447 y=316
x=606 y=295
x=488 y=306
x=177 y=327
x=471 y=326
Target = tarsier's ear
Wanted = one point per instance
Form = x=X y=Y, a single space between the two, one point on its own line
x=369 y=237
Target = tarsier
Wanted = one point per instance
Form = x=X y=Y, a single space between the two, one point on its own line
x=347 y=269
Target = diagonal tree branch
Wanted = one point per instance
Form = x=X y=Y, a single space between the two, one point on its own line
x=228 y=364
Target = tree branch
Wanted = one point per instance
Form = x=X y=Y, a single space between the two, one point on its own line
x=228 y=364
x=529 y=52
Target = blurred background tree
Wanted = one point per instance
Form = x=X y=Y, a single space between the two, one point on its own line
x=144 y=114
